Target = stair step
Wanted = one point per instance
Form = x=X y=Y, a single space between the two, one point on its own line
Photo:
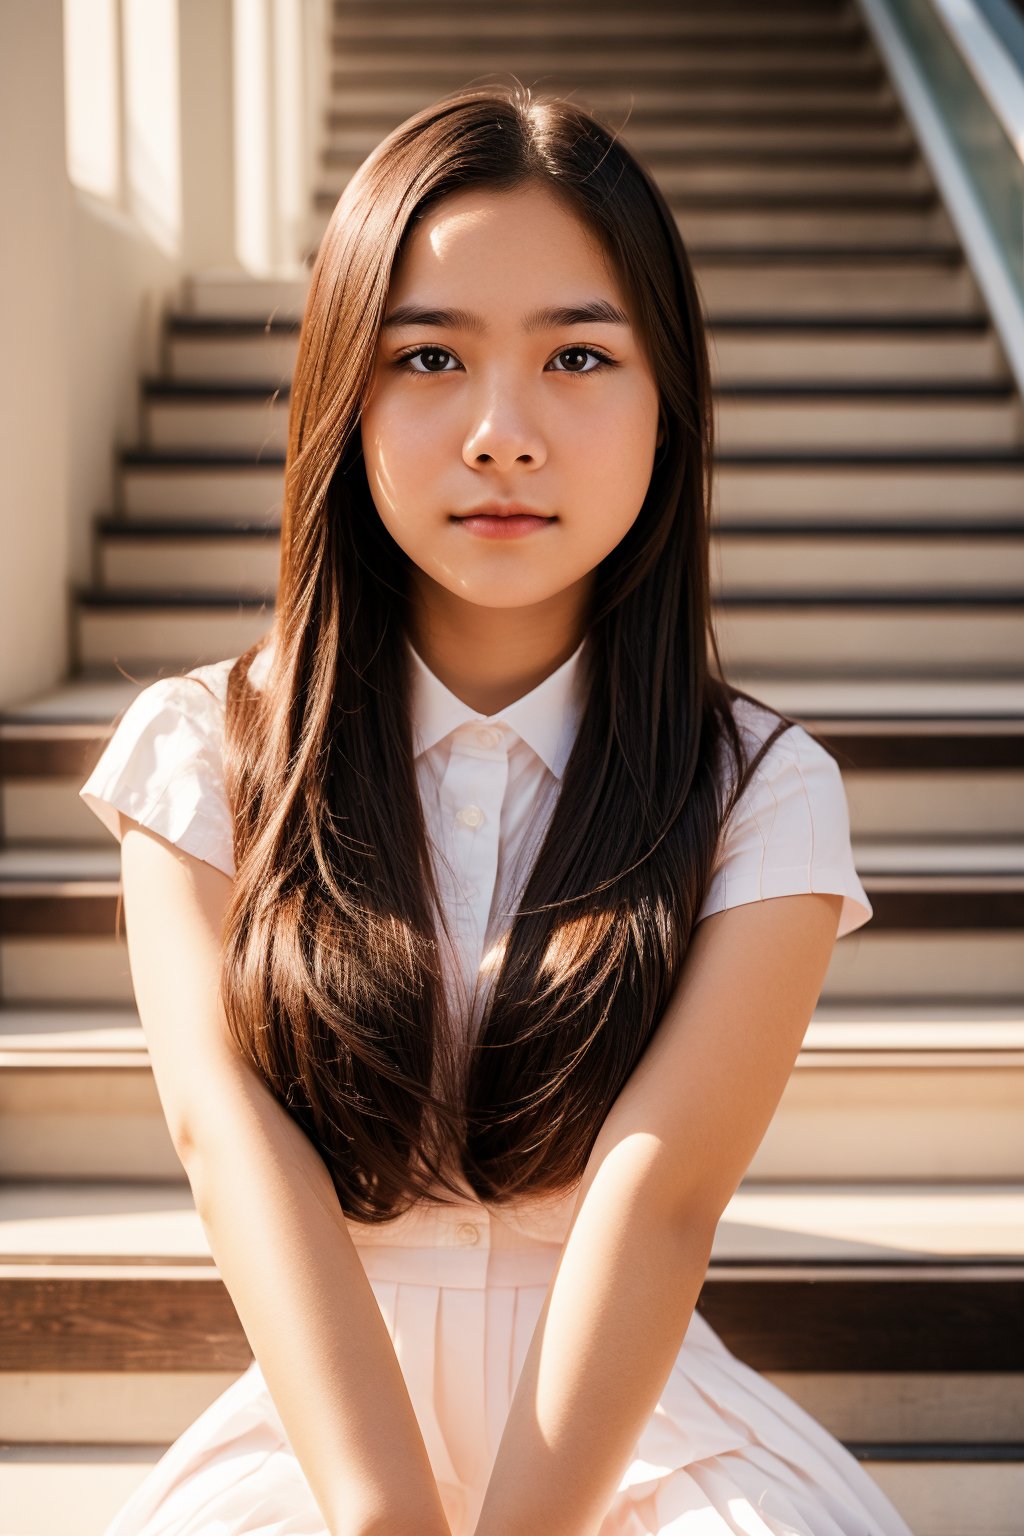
x=987 y=560
x=942 y=1096
x=946 y=756
x=899 y=720
x=877 y=1031
x=808 y=1255
x=743 y=221
x=876 y=278
x=751 y=175
x=931 y=634
x=141 y=1412
x=613 y=97
x=909 y=350
x=819 y=487
x=792 y=113
x=940 y=1488
x=712 y=133
x=185 y=415
x=445 y=63
x=739 y=12
x=953 y=918
x=792 y=33
x=934 y=865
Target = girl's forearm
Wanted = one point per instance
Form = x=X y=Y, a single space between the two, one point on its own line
x=610 y=1330
x=278 y=1235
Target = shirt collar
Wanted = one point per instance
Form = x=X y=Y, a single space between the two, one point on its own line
x=547 y=718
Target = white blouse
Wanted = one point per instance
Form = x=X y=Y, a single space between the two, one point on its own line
x=488 y=786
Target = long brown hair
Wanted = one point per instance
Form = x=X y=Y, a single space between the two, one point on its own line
x=332 y=983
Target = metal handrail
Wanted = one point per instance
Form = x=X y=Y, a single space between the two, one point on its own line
x=989 y=64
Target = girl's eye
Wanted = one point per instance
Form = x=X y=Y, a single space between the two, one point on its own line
x=603 y=360
x=406 y=360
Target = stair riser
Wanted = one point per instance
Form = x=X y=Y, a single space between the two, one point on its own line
x=925 y=1124
x=782 y=357
x=935 y=643
x=399 y=55
x=753 y=179
x=824 y=494
x=962 y=804
x=817 y=494
x=250 y=564
x=613 y=101
x=750 y=357
x=838 y=14
x=151 y=1408
x=473 y=26
x=156 y=636
x=839 y=642
x=950 y=1498
x=842 y=288
x=897 y=423
x=51 y=1495
x=742 y=424
x=849 y=285
x=690 y=138
x=967 y=964
x=897 y=804
x=837 y=565
x=248 y=494
x=740 y=228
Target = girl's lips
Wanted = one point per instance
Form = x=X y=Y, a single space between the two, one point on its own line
x=512 y=527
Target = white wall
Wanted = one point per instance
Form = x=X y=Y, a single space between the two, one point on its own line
x=91 y=259
x=38 y=376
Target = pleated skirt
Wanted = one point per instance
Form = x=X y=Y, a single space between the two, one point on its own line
x=726 y=1452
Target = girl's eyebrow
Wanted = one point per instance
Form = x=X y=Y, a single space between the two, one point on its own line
x=594 y=311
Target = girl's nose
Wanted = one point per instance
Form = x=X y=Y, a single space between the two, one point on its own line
x=503 y=435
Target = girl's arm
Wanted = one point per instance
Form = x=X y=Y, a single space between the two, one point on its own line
x=669 y=1156
x=271 y=1214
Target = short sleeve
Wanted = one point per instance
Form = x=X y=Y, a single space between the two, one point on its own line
x=789 y=833
x=163 y=767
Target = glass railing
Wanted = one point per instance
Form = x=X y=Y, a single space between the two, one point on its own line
x=964 y=60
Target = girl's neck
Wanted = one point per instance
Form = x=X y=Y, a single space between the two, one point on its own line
x=489 y=657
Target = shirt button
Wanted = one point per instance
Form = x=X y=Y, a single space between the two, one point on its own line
x=467 y=1233
x=486 y=736
x=470 y=816
x=469 y=890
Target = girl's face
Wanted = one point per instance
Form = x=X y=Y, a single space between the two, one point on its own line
x=496 y=401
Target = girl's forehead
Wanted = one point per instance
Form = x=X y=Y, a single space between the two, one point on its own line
x=528 y=228
x=489 y=257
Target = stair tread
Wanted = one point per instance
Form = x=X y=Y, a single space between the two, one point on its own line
x=931 y=855
x=145 y=458
x=114 y=526
x=876 y=1030
x=150 y=598
x=865 y=326
x=956 y=390
x=95 y=698
x=105 y=1222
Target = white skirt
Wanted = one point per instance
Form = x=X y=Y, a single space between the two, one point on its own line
x=726 y=1452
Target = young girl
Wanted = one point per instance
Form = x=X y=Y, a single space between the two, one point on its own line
x=452 y=904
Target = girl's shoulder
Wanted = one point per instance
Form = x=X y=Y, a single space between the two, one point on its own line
x=163 y=764
x=789 y=830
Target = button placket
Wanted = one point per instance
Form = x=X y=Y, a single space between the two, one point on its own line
x=472 y=794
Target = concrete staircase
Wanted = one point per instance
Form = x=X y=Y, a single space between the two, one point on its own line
x=869 y=560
